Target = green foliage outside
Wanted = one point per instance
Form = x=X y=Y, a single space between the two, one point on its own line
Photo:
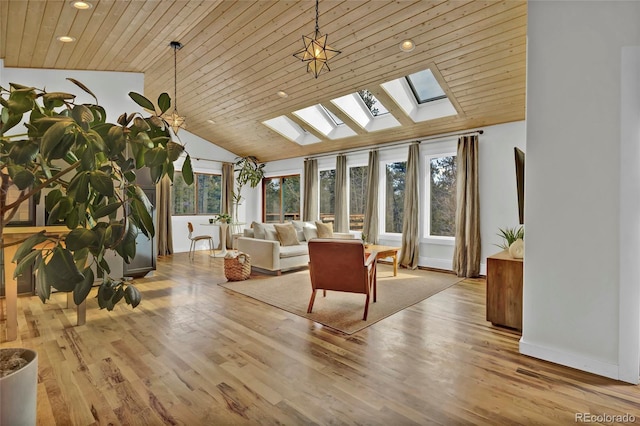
x=443 y=196
x=89 y=168
x=282 y=198
x=358 y=178
x=369 y=101
x=394 y=202
x=327 y=193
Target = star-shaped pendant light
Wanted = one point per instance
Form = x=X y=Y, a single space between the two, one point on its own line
x=175 y=120
x=316 y=52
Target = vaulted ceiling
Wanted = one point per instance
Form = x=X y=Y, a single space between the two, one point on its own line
x=236 y=55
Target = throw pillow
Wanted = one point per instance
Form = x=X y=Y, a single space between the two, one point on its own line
x=258 y=230
x=310 y=232
x=270 y=232
x=287 y=234
x=299 y=225
x=325 y=230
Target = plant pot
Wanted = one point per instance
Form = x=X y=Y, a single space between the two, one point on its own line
x=18 y=391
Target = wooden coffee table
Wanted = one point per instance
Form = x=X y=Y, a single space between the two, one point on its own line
x=384 y=251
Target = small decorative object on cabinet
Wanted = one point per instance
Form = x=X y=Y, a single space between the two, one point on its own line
x=504 y=290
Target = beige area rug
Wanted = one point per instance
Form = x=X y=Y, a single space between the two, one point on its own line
x=343 y=311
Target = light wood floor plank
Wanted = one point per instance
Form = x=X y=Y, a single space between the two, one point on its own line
x=198 y=354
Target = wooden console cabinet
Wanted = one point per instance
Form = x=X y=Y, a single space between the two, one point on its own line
x=504 y=290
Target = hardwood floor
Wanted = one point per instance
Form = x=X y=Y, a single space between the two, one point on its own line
x=194 y=353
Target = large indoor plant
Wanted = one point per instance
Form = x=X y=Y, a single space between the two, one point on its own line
x=248 y=170
x=88 y=168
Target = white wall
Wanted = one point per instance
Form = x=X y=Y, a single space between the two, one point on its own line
x=498 y=205
x=572 y=290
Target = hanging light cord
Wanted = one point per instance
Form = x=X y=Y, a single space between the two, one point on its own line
x=175 y=77
x=317 y=26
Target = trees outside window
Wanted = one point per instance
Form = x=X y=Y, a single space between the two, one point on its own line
x=204 y=197
x=327 y=195
x=395 y=174
x=357 y=196
x=281 y=196
x=442 y=200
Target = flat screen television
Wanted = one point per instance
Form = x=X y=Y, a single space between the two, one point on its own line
x=520 y=182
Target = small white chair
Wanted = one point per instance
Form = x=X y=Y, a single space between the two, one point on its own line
x=197 y=238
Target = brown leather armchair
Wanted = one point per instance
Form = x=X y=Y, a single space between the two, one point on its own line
x=340 y=265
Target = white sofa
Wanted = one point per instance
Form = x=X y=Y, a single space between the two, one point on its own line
x=268 y=255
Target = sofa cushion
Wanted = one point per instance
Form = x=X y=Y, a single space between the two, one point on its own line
x=264 y=231
x=286 y=234
x=248 y=232
x=293 y=251
x=325 y=230
x=299 y=225
x=310 y=231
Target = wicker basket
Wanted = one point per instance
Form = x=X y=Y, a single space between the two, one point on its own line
x=237 y=268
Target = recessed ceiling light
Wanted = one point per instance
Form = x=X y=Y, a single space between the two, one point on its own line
x=407 y=45
x=282 y=93
x=66 y=39
x=210 y=121
x=82 y=5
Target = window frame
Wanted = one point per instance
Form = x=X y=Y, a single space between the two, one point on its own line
x=426 y=204
x=195 y=195
x=264 y=196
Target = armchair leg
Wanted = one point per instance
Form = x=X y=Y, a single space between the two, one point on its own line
x=313 y=298
x=366 y=308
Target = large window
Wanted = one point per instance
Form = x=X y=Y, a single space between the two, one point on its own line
x=357 y=196
x=442 y=196
x=203 y=197
x=281 y=196
x=394 y=196
x=327 y=195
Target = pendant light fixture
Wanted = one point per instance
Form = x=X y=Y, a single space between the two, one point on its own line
x=175 y=120
x=316 y=52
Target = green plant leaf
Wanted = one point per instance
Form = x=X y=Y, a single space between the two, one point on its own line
x=25 y=262
x=187 y=171
x=142 y=101
x=101 y=182
x=24 y=179
x=79 y=238
x=106 y=210
x=53 y=137
x=82 y=115
x=83 y=87
x=164 y=103
x=43 y=288
x=155 y=157
x=132 y=296
x=60 y=210
x=23 y=152
x=143 y=216
x=82 y=289
x=28 y=245
x=174 y=150
x=51 y=199
x=62 y=272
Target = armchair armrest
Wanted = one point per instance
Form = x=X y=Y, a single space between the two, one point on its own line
x=264 y=254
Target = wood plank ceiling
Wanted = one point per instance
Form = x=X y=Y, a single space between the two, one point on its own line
x=238 y=54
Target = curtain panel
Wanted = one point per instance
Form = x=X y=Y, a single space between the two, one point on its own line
x=227 y=198
x=410 y=223
x=370 y=226
x=310 y=201
x=165 y=239
x=341 y=209
x=466 y=256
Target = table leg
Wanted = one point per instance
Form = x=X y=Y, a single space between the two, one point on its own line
x=395 y=264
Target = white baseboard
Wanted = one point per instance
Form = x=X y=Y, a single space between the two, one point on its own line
x=445 y=264
x=570 y=360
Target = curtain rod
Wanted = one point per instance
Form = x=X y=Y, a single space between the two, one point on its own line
x=395 y=144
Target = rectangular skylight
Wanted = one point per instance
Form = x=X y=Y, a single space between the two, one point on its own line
x=334 y=117
x=353 y=106
x=291 y=130
x=366 y=110
x=315 y=116
x=425 y=87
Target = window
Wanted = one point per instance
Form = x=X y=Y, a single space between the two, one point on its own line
x=358 y=177
x=203 y=197
x=394 y=196
x=281 y=196
x=327 y=195
x=442 y=198
x=425 y=87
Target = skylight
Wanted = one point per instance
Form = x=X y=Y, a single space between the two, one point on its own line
x=334 y=117
x=366 y=110
x=291 y=130
x=324 y=122
x=420 y=96
x=425 y=87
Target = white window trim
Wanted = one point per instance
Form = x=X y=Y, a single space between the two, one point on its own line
x=402 y=94
x=382 y=196
x=426 y=203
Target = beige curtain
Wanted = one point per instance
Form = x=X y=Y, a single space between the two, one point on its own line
x=165 y=239
x=341 y=209
x=310 y=202
x=370 y=227
x=227 y=197
x=410 y=223
x=466 y=256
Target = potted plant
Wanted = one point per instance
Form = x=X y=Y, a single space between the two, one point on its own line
x=88 y=166
x=248 y=171
x=511 y=236
x=223 y=218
